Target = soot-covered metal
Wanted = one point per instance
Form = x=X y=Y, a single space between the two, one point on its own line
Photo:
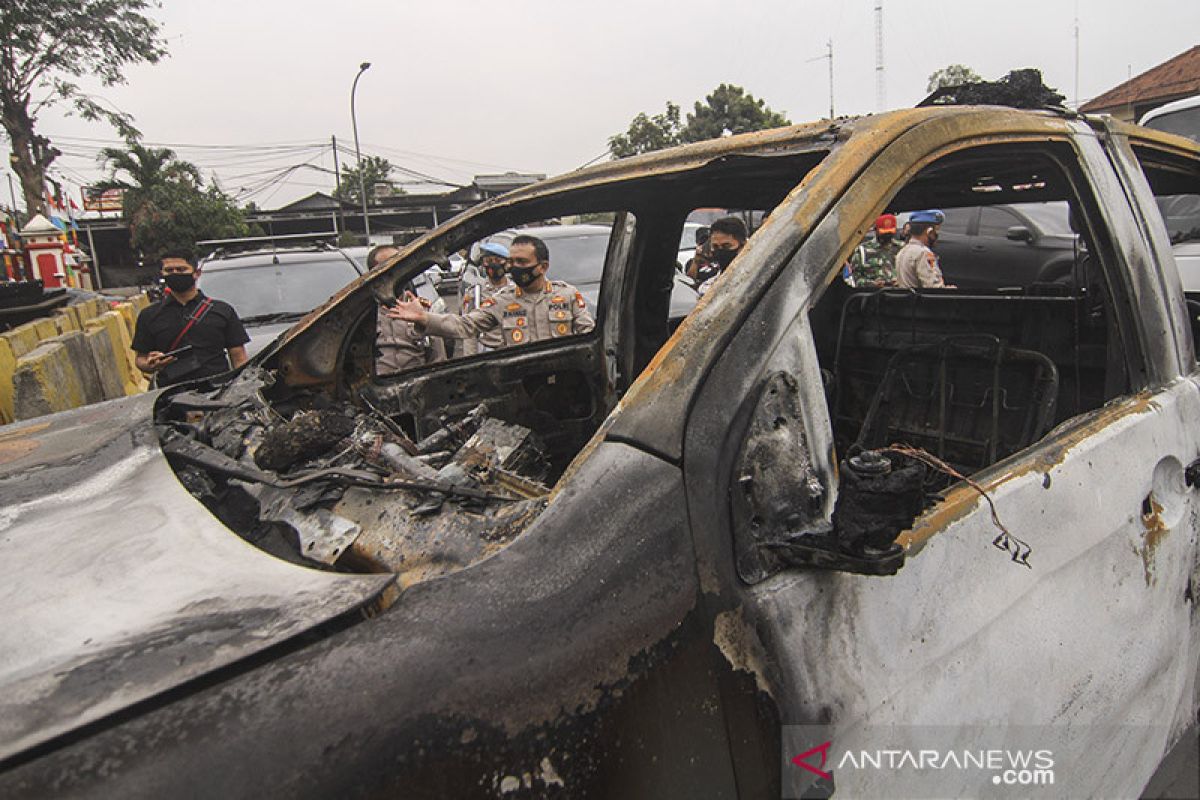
x=343 y=486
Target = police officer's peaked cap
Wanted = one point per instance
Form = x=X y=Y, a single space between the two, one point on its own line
x=494 y=249
x=931 y=215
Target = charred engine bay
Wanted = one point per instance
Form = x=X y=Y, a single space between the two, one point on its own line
x=339 y=485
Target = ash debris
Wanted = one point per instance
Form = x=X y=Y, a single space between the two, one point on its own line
x=330 y=483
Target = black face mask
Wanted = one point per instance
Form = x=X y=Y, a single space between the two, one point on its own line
x=495 y=272
x=884 y=238
x=179 y=282
x=523 y=276
x=725 y=257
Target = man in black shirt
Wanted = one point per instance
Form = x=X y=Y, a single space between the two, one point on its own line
x=186 y=335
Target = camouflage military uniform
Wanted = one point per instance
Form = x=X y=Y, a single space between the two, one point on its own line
x=874 y=264
x=520 y=317
x=475 y=297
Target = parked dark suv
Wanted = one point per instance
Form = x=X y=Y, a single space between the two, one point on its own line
x=1002 y=246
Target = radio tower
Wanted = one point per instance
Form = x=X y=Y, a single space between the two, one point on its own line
x=880 y=86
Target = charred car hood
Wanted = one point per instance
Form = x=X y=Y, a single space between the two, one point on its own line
x=117 y=585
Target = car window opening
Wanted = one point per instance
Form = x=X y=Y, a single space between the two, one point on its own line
x=974 y=374
x=429 y=467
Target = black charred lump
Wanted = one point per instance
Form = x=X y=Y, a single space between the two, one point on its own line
x=305 y=436
x=878 y=497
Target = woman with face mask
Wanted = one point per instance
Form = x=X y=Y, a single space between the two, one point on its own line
x=187 y=335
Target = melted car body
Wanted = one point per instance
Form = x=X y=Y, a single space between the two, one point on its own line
x=629 y=562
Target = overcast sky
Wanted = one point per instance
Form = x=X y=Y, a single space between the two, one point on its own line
x=461 y=87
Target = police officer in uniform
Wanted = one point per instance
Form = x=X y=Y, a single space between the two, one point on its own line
x=494 y=262
x=917 y=267
x=398 y=345
x=533 y=309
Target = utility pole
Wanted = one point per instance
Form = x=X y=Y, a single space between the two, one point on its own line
x=362 y=187
x=828 y=55
x=1076 y=55
x=12 y=194
x=830 y=46
x=337 y=176
x=880 y=85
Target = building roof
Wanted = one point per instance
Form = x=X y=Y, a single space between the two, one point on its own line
x=40 y=226
x=1178 y=77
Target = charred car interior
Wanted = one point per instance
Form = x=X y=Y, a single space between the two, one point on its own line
x=432 y=470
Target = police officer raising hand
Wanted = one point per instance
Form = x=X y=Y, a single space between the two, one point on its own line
x=532 y=309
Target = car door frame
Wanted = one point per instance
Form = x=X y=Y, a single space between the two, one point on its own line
x=805 y=668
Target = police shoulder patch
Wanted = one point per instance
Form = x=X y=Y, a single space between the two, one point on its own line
x=487 y=301
x=579 y=301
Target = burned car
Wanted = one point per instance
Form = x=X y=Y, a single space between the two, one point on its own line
x=621 y=564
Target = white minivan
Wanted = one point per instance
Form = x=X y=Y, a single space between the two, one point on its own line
x=1181 y=212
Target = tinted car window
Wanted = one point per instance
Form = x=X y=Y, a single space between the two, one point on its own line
x=1048 y=217
x=1185 y=122
x=996 y=221
x=577 y=259
x=957 y=220
x=278 y=288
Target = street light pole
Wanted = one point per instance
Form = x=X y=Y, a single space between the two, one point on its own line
x=362 y=185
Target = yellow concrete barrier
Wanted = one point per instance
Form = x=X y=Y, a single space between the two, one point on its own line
x=108 y=371
x=113 y=324
x=45 y=382
x=83 y=355
x=13 y=345
x=46 y=328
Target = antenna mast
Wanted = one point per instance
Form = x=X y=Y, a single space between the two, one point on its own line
x=880 y=86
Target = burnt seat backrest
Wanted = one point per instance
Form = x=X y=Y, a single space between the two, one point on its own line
x=969 y=399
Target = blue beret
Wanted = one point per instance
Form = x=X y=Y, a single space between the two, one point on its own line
x=930 y=215
x=494 y=249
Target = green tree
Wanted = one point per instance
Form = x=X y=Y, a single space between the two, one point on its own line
x=375 y=169
x=647 y=134
x=953 y=75
x=729 y=110
x=44 y=44
x=165 y=202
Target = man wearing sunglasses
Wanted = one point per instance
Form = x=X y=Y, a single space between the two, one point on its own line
x=532 y=309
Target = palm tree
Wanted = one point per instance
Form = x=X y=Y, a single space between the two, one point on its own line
x=137 y=169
